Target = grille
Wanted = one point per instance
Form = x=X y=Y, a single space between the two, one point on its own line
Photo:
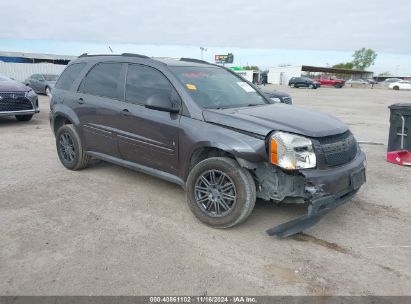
x=339 y=149
x=12 y=95
x=287 y=100
x=8 y=104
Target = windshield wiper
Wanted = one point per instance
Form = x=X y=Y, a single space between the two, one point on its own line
x=254 y=104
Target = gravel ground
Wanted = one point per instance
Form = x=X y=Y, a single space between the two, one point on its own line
x=107 y=230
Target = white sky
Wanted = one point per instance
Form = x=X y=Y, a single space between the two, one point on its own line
x=332 y=25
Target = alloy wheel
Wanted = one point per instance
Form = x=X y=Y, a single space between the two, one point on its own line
x=215 y=193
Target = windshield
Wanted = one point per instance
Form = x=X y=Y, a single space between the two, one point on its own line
x=49 y=77
x=216 y=88
x=4 y=78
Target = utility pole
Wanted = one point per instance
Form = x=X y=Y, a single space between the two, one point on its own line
x=203 y=49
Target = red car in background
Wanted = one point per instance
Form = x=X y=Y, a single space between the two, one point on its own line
x=330 y=81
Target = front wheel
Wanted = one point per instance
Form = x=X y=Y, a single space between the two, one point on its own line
x=396 y=88
x=48 y=91
x=311 y=86
x=24 y=117
x=70 y=149
x=292 y=85
x=220 y=193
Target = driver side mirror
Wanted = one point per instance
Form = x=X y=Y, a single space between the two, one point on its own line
x=162 y=102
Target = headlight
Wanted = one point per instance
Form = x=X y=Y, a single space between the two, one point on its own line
x=291 y=151
x=30 y=93
x=275 y=99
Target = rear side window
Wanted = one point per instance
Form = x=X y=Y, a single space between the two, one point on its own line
x=69 y=75
x=143 y=82
x=102 y=80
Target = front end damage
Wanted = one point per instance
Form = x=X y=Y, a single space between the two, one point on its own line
x=322 y=189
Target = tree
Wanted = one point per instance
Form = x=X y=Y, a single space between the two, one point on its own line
x=342 y=65
x=363 y=58
x=251 y=67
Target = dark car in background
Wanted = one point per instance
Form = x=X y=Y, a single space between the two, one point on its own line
x=208 y=130
x=17 y=100
x=278 y=97
x=42 y=83
x=303 y=82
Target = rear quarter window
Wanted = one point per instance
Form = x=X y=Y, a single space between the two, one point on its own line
x=69 y=75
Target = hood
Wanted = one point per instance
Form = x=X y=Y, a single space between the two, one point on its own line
x=273 y=94
x=13 y=86
x=262 y=120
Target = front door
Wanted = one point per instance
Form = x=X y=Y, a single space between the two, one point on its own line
x=145 y=136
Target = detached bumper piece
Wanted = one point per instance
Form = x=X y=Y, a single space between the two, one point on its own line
x=316 y=210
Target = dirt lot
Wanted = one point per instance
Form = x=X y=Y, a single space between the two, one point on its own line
x=111 y=231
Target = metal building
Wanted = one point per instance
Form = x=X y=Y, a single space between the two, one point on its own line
x=281 y=75
x=19 y=66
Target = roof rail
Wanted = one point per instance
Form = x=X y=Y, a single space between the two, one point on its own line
x=193 y=60
x=124 y=54
x=135 y=55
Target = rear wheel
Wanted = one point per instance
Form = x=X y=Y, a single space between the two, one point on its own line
x=70 y=149
x=24 y=117
x=48 y=91
x=396 y=88
x=220 y=193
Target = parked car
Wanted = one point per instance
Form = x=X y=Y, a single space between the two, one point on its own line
x=17 y=100
x=278 y=97
x=208 y=130
x=371 y=81
x=400 y=85
x=356 y=81
x=388 y=81
x=303 y=82
x=42 y=83
x=330 y=81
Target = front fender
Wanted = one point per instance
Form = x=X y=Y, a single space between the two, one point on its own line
x=200 y=134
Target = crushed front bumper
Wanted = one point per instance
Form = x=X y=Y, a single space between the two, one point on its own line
x=329 y=189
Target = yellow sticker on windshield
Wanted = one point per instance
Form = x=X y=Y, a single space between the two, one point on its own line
x=191 y=86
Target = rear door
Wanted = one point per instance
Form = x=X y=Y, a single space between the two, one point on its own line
x=98 y=104
x=148 y=137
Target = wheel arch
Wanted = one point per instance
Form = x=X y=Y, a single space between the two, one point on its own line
x=63 y=115
x=203 y=151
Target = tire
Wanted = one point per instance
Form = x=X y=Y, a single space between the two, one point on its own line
x=311 y=86
x=73 y=157
x=47 y=91
x=396 y=88
x=292 y=85
x=243 y=189
x=24 y=117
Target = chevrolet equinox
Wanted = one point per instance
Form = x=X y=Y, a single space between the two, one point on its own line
x=208 y=130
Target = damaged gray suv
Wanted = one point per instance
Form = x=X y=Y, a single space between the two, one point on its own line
x=208 y=130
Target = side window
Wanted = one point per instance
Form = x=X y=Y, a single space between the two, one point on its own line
x=143 y=82
x=102 y=80
x=69 y=75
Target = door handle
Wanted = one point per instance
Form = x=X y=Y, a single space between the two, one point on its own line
x=80 y=100
x=125 y=112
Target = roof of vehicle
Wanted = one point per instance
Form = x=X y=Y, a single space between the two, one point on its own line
x=165 y=60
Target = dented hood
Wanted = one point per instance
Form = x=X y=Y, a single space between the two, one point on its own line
x=263 y=119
